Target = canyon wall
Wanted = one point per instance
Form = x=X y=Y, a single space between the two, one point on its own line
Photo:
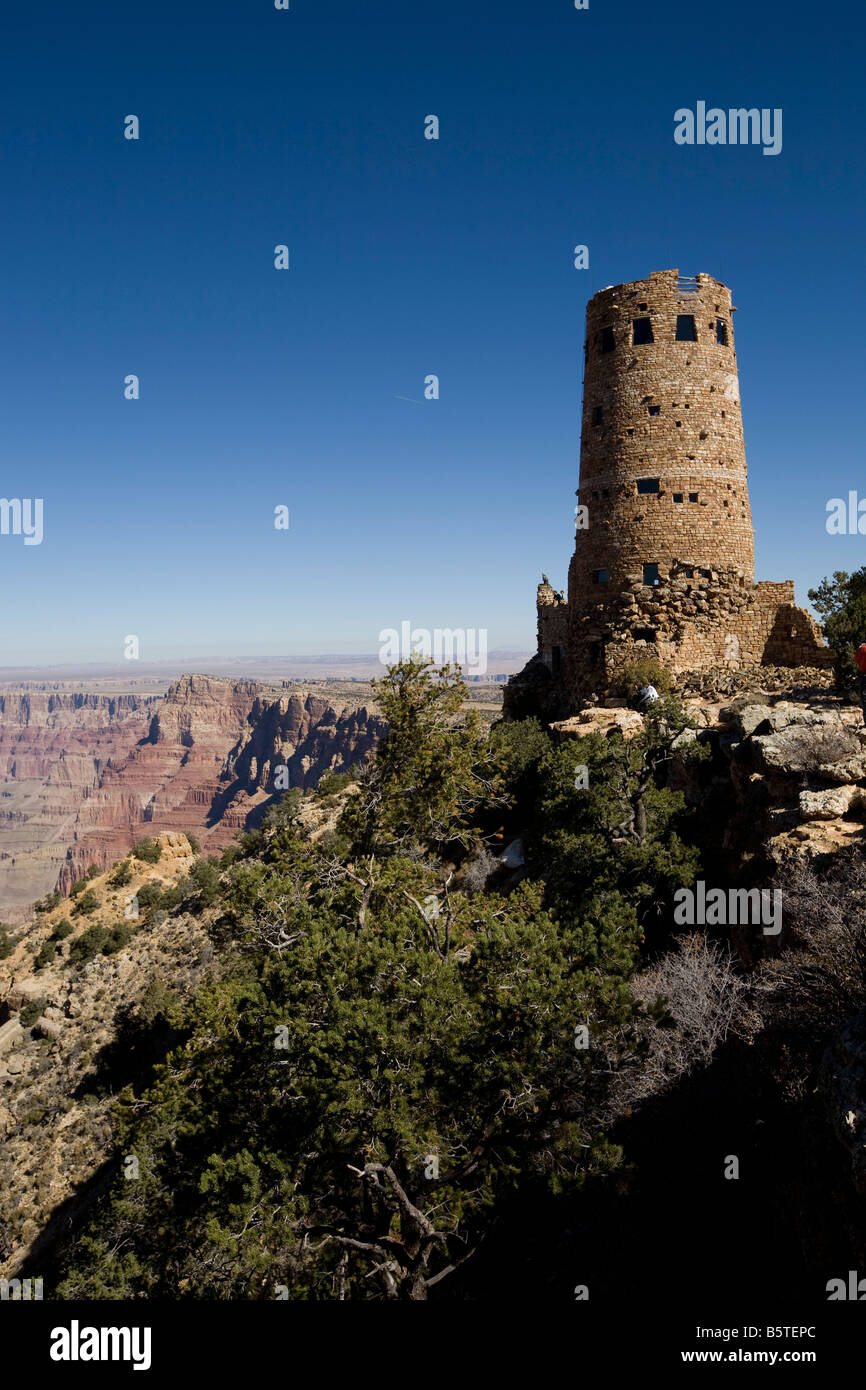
x=54 y=751
x=85 y=776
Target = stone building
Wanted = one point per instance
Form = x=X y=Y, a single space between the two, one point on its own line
x=664 y=553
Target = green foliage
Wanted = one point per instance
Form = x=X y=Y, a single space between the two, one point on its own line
x=431 y=775
x=50 y=901
x=158 y=1002
x=47 y=953
x=251 y=842
x=118 y=937
x=100 y=941
x=90 y=944
x=840 y=603
x=641 y=670
x=78 y=887
x=63 y=929
x=87 y=903
x=29 y=1012
x=7 y=943
x=174 y=894
x=204 y=880
x=383 y=1058
x=618 y=839
x=519 y=749
x=281 y=813
x=148 y=851
x=149 y=895
x=92 y=871
x=193 y=843
x=121 y=874
x=334 y=782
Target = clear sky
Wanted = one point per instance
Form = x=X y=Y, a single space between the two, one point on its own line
x=409 y=257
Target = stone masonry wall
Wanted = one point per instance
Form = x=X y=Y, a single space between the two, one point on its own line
x=664 y=413
x=665 y=566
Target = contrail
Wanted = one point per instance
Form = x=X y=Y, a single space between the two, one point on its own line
x=408 y=398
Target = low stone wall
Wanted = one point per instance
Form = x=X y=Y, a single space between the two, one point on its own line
x=715 y=620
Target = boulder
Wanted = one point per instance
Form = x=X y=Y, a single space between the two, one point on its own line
x=832 y=753
x=604 y=721
x=11 y=1033
x=23 y=991
x=745 y=715
x=512 y=855
x=831 y=804
x=48 y=1027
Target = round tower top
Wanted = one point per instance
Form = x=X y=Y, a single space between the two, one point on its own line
x=661 y=284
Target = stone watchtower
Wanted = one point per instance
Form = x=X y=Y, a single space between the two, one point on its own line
x=662 y=459
x=664 y=549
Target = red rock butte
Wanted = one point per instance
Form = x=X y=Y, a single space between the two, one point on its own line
x=663 y=563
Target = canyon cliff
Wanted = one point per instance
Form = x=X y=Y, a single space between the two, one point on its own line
x=85 y=776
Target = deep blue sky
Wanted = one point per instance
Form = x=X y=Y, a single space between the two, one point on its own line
x=409 y=257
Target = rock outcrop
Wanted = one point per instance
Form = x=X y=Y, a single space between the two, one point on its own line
x=783 y=776
x=55 y=1091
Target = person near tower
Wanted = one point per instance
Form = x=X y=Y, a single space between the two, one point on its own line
x=646 y=694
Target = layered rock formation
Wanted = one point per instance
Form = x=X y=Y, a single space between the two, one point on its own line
x=208 y=766
x=86 y=776
x=306 y=736
x=54 y=751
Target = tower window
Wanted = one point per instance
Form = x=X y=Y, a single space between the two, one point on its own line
x=599 y=576
x=647 y=484
x=650 y=574
x=705 y=574
x=642 y=331
x=678 y=497
x=721 y=333
x=688 y=574
x=686 y=331
x=605 y=492
x=607 y=340
x=693 y=497
x=556 y=657
x=598 y=415
x=653 y=409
